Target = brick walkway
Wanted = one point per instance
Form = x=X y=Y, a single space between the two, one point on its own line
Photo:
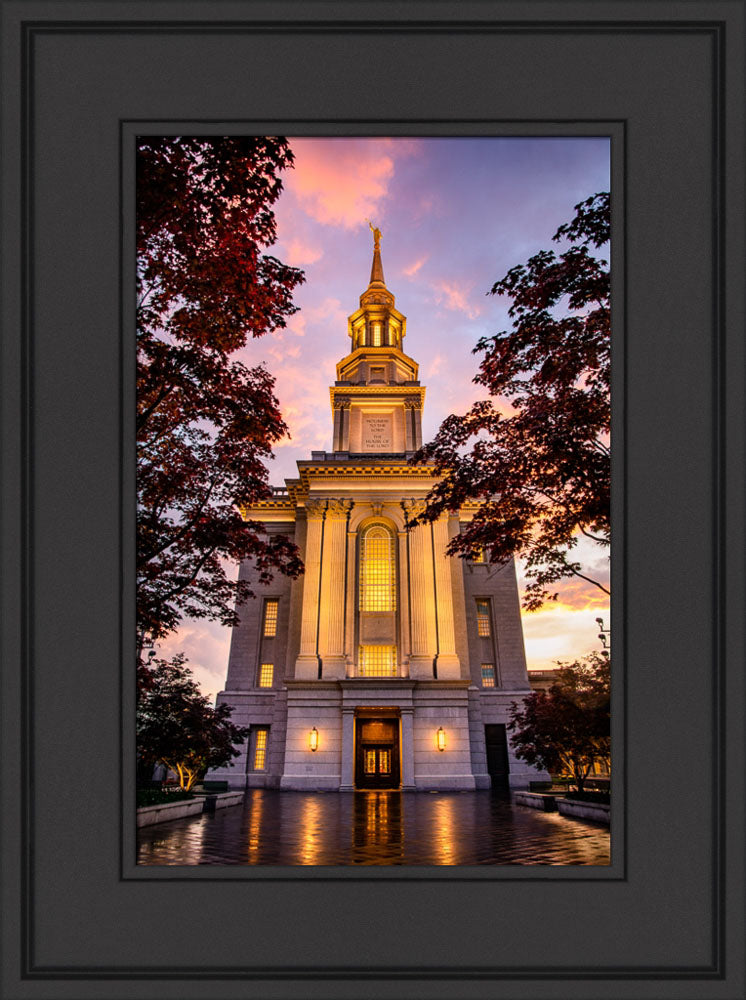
x=374 y=828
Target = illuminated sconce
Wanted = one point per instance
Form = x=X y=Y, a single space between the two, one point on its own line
x=441 y=735
x=313 y=739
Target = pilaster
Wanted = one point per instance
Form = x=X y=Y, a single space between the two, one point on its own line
x=347 y=783
x=413 y=422
x=404 y=643
x=332 y=610
x=350 y=652
x=307 y=664
x=421 y=583
x=341 y=432
x=407 y=750
x=449 y=666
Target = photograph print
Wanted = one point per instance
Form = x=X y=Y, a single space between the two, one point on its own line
x=373 y=480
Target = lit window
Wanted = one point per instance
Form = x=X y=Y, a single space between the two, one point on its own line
x=488 y=675
x=266 y=673
x=378 y=661
x=270 y=618
x=377 y=570
x=376 y=332
x=260 y=750
x=478 y=556
x=483 y=618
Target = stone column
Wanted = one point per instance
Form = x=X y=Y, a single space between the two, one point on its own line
x=307 y=664
x=421 y=588
x=350 y=651
x=407 y=750
x=347 y=782
x=449 y=666
x=412 y=420
x=340 y=440
x=404 y=650
x=331 y=623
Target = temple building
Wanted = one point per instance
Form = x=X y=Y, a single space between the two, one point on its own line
x=387 y=664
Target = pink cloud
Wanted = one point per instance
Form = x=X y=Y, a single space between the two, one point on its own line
x=455 y=297
x=414 y=268
x=342 y=182
x=299 y=254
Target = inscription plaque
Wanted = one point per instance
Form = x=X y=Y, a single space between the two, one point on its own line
x=378 y=432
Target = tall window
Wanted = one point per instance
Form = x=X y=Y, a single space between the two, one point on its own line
x=270 y=618
x=377 y=570
x=266 y=673
x=483 y=617
x=260 y=750
x=488 y=675
x=378 y=661
x=376 y=335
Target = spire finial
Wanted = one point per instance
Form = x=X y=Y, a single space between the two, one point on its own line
x=376 y=235
x=376 y=271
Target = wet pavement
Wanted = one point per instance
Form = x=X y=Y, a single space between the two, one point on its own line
x=374 y=828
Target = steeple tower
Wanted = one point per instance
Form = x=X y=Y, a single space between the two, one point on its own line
x=377 y=399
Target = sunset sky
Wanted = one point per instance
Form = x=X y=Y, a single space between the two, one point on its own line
x=455 y=216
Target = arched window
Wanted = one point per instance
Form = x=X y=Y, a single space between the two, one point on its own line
x=377 y=591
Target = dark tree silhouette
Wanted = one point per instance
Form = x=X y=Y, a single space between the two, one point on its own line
x=541 y=474
x=566 y=729
x=205 y=421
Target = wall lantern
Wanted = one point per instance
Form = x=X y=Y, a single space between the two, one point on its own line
x=441 y=734
x=313 y=739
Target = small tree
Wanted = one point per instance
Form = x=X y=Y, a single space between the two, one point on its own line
x=567 y=729
x=177 y=726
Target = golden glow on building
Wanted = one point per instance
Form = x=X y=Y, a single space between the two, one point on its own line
x=377 y=570
x=270 y=619
x=483 y=618
x=260 y=750
x=378 y=661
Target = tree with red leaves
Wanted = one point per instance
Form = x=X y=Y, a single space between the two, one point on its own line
x=205 y=421
x=566 y=729
x=541 y=474
x=177 y=726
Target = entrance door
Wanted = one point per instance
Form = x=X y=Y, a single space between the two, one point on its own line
x=377 y=756
x=498 y=766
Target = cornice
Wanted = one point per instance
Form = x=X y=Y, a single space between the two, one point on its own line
x=404 y=391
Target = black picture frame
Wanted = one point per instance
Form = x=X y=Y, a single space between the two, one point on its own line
x=664 y=80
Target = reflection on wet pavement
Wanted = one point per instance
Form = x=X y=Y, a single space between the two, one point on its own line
x=374 y=828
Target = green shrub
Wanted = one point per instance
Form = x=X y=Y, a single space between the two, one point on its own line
x=155 y=796
x=603 y=798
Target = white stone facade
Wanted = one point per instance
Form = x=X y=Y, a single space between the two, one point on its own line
x=372 y=655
